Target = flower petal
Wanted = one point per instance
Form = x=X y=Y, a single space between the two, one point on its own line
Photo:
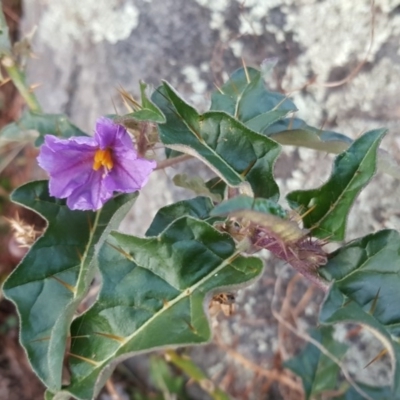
x=129 y=173
x=91 y=195
x=87 y=186
x=68 y=162
x=111 y=135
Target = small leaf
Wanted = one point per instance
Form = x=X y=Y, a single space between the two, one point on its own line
x=43 y=124
x=217 y=186
x=198 y=207
x=245 y=97
x=295 y=132
x=153 y=296
x=245 y=203
x=235 y=153
x=50 y=282
x=326 y=208
x=148 y=112
x=318 y=372
x=163 y=378
x=197 y=185
x=360 y=270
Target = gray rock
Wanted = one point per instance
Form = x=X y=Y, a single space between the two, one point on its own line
x=86 y=49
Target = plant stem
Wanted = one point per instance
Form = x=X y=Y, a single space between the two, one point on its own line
x=18 y=78
x=194 y=372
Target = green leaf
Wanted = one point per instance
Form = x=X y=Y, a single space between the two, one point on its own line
x=148 y=112
x=262 y=212
x=246 y=97
x=234 y=152
x=295 y=132
x=197 y=185
x=316 y=370
x=164 y=380
x=261 y=122
x=153 y=296
x=245 y=203
x=217 y=186
x=196 y=374
x=326 y=208
x=199 y=208
x=43 y=124
x=50 y=282
x=366 y=275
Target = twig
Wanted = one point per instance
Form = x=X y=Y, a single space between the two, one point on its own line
x=304 y=301
x=285 y=311
x=172 y=161
x=305 y=336
x=112 y=391
x=357 y=69
x=274 y=374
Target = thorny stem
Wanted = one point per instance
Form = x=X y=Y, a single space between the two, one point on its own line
x=18 y=78
x=305 y=257
x=172 y=161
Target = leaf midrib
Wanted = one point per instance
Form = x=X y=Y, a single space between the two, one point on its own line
x=76 y=294
x=198 y=134
x=171 y=303
x=332 y=208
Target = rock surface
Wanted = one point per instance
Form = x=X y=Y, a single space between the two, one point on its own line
x=87 y=49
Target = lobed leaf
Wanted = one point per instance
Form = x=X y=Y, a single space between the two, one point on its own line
x=50 y=282
x=234 y=152
x=327 y=207
x=321 y=375
x=245 y=97
x=153 y=295
x=366 y=276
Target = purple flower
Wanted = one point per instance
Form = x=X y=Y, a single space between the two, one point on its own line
x=88 y=170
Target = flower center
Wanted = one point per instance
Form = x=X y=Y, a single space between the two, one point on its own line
x=102 y=158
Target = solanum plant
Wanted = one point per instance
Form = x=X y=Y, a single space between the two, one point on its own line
x=155 y=289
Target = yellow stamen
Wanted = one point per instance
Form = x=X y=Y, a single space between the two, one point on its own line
x=103 y=158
